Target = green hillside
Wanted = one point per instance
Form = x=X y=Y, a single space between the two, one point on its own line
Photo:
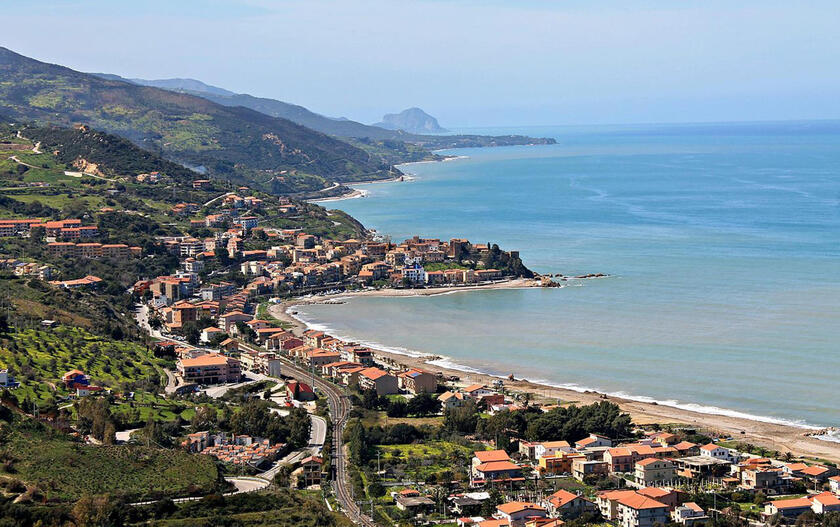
x=338 y=127
x=55 y=467
x=232 y=142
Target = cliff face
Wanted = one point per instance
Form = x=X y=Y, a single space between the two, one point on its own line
x=413 y=120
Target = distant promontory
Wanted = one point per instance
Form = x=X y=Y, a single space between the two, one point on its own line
x=412 y=120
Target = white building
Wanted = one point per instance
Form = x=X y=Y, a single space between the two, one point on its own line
x=718 y=452
x=551 y=448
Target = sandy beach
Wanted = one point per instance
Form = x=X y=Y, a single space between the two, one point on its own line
x=783 y=438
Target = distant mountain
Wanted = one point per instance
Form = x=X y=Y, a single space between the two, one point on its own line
x=341 y=127
x=412 y=120
x=234 y=142
x=185 y=85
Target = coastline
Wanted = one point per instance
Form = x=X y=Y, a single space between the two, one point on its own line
x=359 y=193
x=771 y=435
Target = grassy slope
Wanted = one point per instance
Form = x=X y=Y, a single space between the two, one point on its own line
x=65 y=469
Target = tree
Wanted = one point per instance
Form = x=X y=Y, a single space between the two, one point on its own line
x=423 y=404
x=461 y=420
x=300 y=426
x=488 y=508
x=191 y=331
x=359 y=452
x=205 y=418
x=109 y=436
x=98 y=511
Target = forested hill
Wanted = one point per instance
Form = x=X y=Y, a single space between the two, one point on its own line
x=232 y=142
x=327 y=125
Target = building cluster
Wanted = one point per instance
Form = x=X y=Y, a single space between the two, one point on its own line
x=656 y=467
x=297 y=261
x=21 y=268
x=235 y=449
x=93 y=251
x=71 y=229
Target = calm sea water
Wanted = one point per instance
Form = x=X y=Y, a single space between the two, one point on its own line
x=723 y=242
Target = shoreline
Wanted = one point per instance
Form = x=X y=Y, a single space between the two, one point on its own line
x=359 y=193
x=771 y=435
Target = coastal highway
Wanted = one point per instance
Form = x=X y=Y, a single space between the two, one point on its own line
x=339 y=410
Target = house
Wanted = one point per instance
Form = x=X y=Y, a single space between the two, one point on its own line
x=607 y=502
x=689 y=514
x=560 y=463
x=414 y=504
x=818 y=473
x=594 y=440
x=207 y=334
x=516 y=513
x=6 y=380
x=567 y=505
x=299 y=391
x=228 y=321
x=620 y=459
x=74 y=378
x=788 y=508
x=584 y=468
x=494 y=465
x=84 y=391
x=637 y=510
x=825 y=502
x=211 y=368
x=477 y=390
x=376 y=379
x=834 y=484
x=669 y=497
x=551 y=448
x=229 y=345
x=762 y=477
x=651 y=471
x=417 y=381
x=449 y=400
x=309 y=472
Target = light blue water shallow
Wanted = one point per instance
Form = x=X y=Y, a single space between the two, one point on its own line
x=723 y=242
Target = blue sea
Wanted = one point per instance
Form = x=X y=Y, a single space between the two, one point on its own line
x=722 y=242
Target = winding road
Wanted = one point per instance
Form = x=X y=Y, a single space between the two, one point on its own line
x=339 y=410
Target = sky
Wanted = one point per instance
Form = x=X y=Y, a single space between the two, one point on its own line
x=467 y=62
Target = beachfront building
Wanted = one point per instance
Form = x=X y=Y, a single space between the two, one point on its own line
x=718 y=452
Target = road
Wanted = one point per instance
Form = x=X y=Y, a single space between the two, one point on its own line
x=317 y=435
x=339 y=410
x=242 y=483
x=217 y=198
